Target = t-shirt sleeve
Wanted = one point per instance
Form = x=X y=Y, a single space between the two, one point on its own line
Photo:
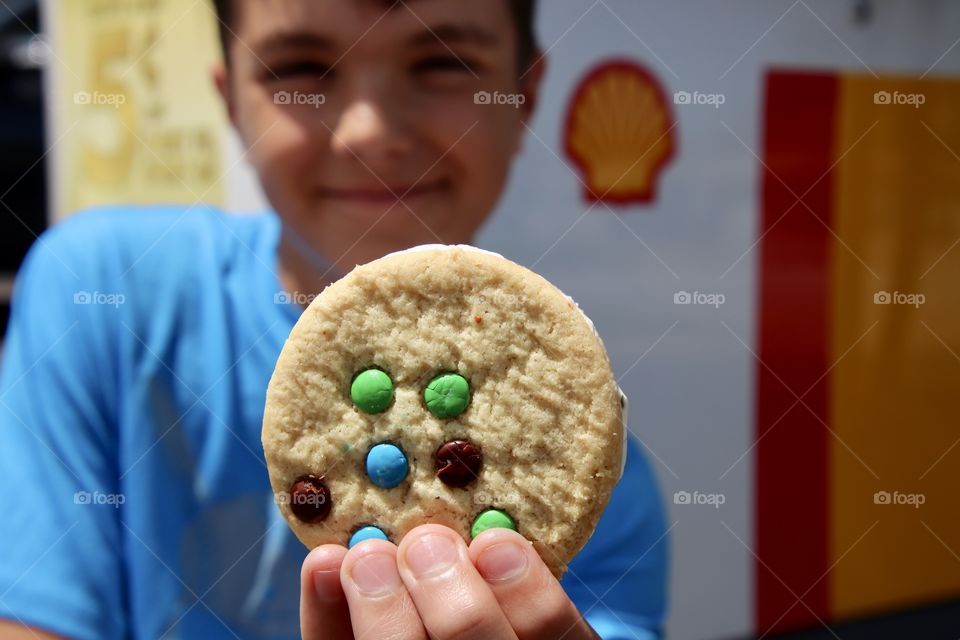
x=619 y=580
x=60 y=527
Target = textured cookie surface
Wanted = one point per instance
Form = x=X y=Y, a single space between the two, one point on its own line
x=545 y=412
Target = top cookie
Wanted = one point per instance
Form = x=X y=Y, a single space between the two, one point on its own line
x=433 y=385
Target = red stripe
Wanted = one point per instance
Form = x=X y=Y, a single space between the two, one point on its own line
x=792 y=455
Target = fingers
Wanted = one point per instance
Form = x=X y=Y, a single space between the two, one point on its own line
x=380 y=606
x=529 y=595
x=452 y=599
x=497 y=588
x=323 y=606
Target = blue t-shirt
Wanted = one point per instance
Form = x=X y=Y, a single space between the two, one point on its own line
x=134 y=497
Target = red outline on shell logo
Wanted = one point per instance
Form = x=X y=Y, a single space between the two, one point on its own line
x=622 y=147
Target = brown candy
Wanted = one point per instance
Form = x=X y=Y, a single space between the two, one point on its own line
x=310 y=499
x=458 y=463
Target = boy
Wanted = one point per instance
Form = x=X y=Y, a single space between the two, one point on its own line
x=135 y=496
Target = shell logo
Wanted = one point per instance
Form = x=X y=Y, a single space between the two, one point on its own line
x=619 y=132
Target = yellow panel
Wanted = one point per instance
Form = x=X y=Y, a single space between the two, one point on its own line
x=138 y=118
x=896 y=395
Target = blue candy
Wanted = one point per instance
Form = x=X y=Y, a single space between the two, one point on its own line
x=386 y=465
x=369 y=532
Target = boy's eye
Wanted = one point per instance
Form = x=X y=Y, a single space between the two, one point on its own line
x=295 y=69
x=444 y=64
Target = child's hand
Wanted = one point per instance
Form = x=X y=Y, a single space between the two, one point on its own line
x=434 y=586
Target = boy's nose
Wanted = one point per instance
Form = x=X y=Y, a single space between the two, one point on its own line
x=366 y=131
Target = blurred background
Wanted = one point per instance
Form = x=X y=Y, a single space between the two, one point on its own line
x=776 y=279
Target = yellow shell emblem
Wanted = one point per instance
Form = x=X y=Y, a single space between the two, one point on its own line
x=619 y=132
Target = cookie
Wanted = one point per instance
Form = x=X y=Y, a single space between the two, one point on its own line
x=444 y=384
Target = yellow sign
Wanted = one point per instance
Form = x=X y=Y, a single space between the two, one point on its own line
x=136 y=117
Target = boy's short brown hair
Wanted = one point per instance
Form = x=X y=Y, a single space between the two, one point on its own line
x=522 y=10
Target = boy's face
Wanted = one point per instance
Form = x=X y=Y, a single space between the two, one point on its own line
x=375 y=104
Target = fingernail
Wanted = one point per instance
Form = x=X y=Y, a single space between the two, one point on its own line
x=502 y=561
x=375 y=574
x=326 y=584
x=431 y=555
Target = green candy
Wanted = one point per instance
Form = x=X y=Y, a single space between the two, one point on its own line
x=372 y=391
x=492 y=519
x=447 y=395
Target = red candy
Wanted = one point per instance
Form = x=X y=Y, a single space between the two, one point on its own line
x=458 y=463
x=310 y=499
